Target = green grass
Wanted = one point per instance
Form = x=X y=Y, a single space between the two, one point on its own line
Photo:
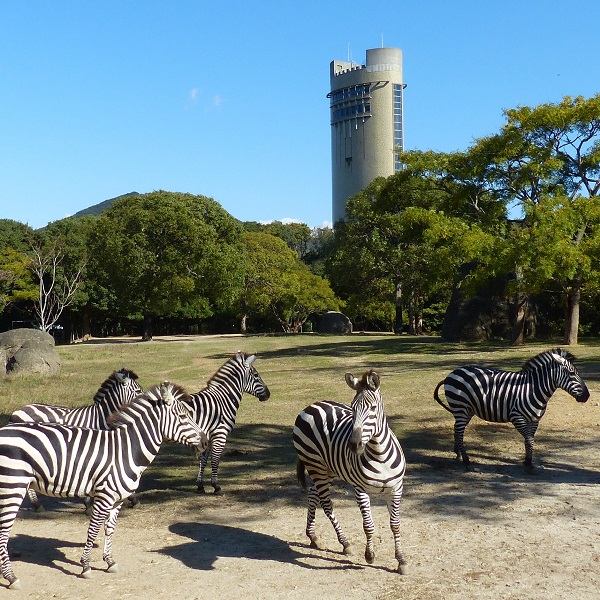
x=298 y=370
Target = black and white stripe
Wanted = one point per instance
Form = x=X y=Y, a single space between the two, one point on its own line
x=520 y=398
x=355 y=444
x=62 y=461
x=215 y=408
x=121 y=387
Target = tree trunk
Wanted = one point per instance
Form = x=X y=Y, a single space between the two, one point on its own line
x=243 y=324
x=86 y=334
x=572 y=315
x=148 y=329
x=519 y=312
x=398 y=317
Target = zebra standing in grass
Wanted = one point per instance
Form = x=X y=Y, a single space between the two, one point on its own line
x=120 y=388
x=215 y=408
x=520 y=398
x=355 y=444
x=62 y=461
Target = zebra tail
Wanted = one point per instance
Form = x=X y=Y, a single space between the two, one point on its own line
x=301 y=474
x=437 y=398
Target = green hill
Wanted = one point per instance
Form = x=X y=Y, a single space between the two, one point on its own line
x=102 y=206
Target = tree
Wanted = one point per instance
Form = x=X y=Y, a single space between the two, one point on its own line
x=167 y=254
x=398 y=247
x=267 y=259
x=16 y=280
x=57 y=286
x=305 y=294
x=546 y=162
x=277 y=282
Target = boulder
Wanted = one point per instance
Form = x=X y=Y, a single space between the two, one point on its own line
x=335 y=322
x=29 y=351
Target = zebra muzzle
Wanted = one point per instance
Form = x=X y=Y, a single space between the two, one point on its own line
x=355 y=442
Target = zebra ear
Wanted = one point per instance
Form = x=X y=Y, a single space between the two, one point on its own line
x=166 y=392
x=250 y=360
x=373 y=381
x=559 y=359
x=352 y=381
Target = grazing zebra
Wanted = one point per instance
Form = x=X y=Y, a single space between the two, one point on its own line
x=355 y=444
x=62 y=461
x=120 y=388
x=505 y=396
x=215 y=408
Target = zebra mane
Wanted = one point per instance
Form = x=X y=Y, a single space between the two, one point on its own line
x=165 y=392
x=115 y=375
x=533 y=363
x=216 y=376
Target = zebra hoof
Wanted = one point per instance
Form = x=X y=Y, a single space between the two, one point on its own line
x=114 y=568
x=218 y=491
x=86 y=573
x=39 y=509
x=402 y=569
x=15 y=584
x=200 y=490
x=347 y=550
x=369 y=557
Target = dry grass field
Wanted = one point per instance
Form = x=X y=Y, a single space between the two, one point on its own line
x=498 y=532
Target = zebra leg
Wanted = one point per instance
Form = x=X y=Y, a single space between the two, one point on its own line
x=393 y=504
x=313 y=503
x=216 y=450
x=133 y=500
x=528 y=431
x=460 y=424
x=199 y=484
x=6 y=570
x=323 y=490
x=109 y=529
x=8 y=514
x=100 y=512
x=34 y=500
x=364 y=504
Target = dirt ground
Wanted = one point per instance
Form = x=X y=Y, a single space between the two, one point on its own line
x=495 y=533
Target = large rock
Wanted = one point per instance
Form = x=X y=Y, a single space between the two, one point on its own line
x=29 y=351
x=335 y=322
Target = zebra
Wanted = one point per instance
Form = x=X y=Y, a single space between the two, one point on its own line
x=62 y=461
x=520 y=398
x=120 y=388
x=215 y=408
x=355 y=444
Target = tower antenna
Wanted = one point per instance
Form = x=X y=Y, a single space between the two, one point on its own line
x=382 y=39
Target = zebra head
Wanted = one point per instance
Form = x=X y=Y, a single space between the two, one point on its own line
x=121 y=387
x=567 y=377
x=367 y=409
x=177 y=423
x=253 y=383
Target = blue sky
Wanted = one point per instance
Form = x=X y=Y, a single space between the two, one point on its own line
x=228 y=99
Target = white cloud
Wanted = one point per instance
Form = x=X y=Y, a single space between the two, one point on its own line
x=194 y=94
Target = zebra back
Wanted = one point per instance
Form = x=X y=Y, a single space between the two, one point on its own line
x=120 y=387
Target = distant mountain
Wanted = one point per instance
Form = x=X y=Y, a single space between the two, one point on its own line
x=102 y=206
